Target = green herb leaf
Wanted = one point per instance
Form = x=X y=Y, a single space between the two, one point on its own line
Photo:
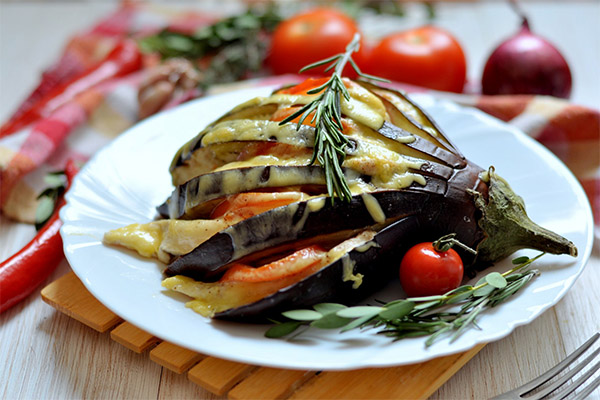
x=330 y=321
x=397 y=310
x=484 y=291
x=496 y=280
x=520 y=260
x=44 y=210
x=359 y=311
x=282 y=329
x=326 y=308
x=358 y=322
x=428 y=304
x=302 y=315
x=55 y=180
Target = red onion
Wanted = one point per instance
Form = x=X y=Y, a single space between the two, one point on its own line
x=526 y=64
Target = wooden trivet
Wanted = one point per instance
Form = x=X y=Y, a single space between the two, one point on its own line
x=241 y=381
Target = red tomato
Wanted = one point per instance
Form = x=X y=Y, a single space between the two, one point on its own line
x=309 y=37
x=425 y=271
x=427 y=56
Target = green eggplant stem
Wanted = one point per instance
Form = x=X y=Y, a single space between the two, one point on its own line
x=507 y=226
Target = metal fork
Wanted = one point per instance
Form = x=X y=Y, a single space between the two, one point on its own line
x=519 y=392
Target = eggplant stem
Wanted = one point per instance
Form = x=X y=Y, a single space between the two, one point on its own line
x=507 y=226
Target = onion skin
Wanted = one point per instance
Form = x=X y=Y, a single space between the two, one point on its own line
x=527 y=64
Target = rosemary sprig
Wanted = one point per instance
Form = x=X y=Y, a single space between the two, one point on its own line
x=330 y=141
x=433 y=316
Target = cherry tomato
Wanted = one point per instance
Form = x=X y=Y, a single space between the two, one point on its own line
x=309 y=37
x=424 y=271
x=427 y=56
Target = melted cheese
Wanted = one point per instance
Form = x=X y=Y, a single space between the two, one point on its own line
x=211 y=298
x=374 y=208
x=348 y=273
x=144 y=238
x=166 y=238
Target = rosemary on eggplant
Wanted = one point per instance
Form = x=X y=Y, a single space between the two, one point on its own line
x=434 y=316
x=330 y=140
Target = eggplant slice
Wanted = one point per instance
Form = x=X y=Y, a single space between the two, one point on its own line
x=374 y=262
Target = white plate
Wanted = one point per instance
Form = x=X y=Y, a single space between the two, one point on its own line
x=124 y=182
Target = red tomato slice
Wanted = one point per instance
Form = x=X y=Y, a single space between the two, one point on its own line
x=297 y=262
x=246 y=205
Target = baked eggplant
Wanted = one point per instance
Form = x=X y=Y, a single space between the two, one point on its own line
x=271 y=237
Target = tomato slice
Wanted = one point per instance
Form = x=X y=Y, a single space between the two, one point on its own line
x=297 y=262
x=304 y=87
x=283 y=113
x=246 y=205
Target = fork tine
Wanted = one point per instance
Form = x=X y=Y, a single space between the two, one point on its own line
x=569 y=375
x=588 y=389
x=552 y=372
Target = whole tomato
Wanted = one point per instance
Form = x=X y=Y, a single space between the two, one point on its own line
x=309 y=37
x=427 y=56
x=425 y=271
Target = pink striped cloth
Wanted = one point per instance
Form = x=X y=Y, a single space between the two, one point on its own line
x=91 y=119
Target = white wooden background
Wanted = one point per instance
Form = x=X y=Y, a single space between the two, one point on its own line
x=47 y=355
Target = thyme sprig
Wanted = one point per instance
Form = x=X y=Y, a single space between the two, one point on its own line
x=330 y=141
x=236 y=45
x=434 y=316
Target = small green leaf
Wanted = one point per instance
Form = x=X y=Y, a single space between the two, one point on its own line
x=480 y=282
x=426 y=298
x=330 y=321
x=55 y=180
x=483 y=291
x=44 y=210
x=520 y=260
x=282 y=329
x=460 y=289
x=428 y=304
x=359 y=311
x=457 y=298
x=397 y=311
x=327 y=308
x=496 y=280
x=302 y=315
x=358 y=322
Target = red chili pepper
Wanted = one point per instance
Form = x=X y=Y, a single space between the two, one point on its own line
x=22 y=273
x=122 y=60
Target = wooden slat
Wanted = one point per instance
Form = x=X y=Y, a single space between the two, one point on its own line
x=173 y=357
x=243 y=381
x=68 y=295
x=417 y=381
x=270 y=383
x=133 y=337
x=217 y=375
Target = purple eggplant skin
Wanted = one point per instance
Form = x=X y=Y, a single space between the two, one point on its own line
x=439 y=214
x=443 y=207
x=377 y=264
x=292 y=224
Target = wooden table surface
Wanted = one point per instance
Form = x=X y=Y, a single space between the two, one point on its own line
x=48 y=355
